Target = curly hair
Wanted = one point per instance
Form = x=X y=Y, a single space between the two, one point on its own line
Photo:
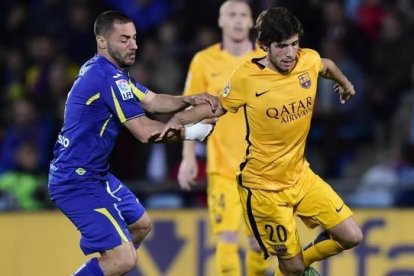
x=275 y=25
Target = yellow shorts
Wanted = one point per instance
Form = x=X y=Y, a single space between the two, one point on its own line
x=270 y=217
x=224 y=206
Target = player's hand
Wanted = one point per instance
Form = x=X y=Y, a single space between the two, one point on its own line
x=345 y=93
x=170 y=128
x=204 y=98
x=187 y=173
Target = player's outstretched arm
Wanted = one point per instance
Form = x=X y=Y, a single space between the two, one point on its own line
x=163 y=103
x=146 y=129
x=343 y=86
x=192 y=116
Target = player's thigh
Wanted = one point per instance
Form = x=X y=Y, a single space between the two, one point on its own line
x=320 y=204
x=94 y=212
x=223 y=204
x=271 y=221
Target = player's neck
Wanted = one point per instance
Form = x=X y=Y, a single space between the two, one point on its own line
x=237 y=48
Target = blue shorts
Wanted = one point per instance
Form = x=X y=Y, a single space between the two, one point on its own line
x=100 y=210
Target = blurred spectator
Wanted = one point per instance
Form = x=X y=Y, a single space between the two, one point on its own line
x=24 y=188
x=47 y=16
x=339 y=129
x=337 y=26
x=402 y=125
x=14 y=25
x=390 y=73
x=369 y=17
x=26 y=126
x=79 y=41
x=376 y=187
x=404 y=195
x=146 y=14
x=43 y=49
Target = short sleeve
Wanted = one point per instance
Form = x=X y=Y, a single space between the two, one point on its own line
x=122 y=97
x=233 y=95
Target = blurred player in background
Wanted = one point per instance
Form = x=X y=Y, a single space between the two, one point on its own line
x=209 y=71
x=277 y=94
x=104 y=97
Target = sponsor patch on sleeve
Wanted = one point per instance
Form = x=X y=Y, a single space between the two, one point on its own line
x=226 y=90
x=125 y=89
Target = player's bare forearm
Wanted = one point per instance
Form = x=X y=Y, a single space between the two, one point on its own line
x=164 y=103
x=189 y=149
x=197 y=114
x=343 y=86
x=147 y=131
x=332 y=72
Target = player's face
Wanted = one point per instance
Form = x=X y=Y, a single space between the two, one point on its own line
x=122 y=44
x=236 y=20
x=282 y=55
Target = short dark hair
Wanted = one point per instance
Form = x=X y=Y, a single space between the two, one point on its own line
x=275 y=25
x=105 y=21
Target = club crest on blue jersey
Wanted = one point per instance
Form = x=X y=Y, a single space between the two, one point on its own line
x=125 y=89
x=305 y=80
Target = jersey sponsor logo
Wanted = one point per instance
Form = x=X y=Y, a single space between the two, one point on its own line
x=226 y=90
x=117 y=76
x=125 y=89
x=258 y=94
x=63 y=141
x=292 y=111
x=305 y=80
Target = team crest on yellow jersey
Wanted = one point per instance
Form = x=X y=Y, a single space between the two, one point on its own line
x=305 y=80
x=226 y=90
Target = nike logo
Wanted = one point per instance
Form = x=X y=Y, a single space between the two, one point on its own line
x=258 y=94
x=340 y=208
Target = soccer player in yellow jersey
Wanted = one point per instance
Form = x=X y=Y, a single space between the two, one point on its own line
x=210 y=71
x=277 y=94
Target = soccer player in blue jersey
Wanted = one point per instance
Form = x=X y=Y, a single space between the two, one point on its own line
x=102 y=99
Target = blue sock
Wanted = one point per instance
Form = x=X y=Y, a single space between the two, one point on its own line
x=91 y=268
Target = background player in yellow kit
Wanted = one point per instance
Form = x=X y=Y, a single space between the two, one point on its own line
x=277 y=94
x=210 y=71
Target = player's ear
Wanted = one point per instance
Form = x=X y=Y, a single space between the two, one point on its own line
x=101 y=42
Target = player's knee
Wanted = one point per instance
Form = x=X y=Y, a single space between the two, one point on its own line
x=353 y=238
x=127 y=261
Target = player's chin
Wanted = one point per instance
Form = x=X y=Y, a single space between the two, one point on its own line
x=130 y=61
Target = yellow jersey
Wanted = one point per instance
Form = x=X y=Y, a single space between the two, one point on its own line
x=210 y=71
x=278 y=110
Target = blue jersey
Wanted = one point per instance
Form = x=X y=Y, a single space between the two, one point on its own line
x=101 y=99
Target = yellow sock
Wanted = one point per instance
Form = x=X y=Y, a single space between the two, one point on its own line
x=227 y=259
x=321 y=248
x=255 y=263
